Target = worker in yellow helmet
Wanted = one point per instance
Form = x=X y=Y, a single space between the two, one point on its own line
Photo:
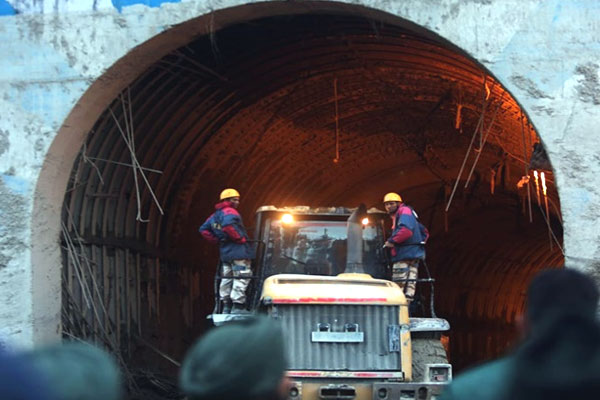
x=226 y=228
x=406 y=243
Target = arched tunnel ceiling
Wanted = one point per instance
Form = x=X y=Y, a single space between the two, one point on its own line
x=253 y=106
x=257 y=100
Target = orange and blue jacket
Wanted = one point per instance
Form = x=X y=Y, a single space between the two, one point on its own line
x=408 y=235
x=226 y=228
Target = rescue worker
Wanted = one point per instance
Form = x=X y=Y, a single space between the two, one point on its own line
x=242 y=360
x=406 y=244
x=225 y=227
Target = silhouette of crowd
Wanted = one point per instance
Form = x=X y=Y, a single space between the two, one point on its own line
x=242 y=360
x=558 y=358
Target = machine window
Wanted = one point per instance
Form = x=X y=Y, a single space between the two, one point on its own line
x=318 y=248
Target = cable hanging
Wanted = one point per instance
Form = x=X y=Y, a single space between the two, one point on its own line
x=337 y=123
x=477 y=129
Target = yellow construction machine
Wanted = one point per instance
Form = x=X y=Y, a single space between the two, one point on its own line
x=323 y=273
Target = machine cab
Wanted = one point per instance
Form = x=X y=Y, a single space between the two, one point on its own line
x=312 y=241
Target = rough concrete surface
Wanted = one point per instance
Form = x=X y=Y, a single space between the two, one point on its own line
x=56 y=77
x=15 y=272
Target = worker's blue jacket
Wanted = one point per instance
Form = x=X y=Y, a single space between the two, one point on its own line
x=226 y=228
x=408 y=235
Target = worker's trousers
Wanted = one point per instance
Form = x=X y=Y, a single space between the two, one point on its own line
x=402 y=273
x=235 y=289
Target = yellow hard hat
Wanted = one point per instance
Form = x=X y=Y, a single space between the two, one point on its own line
x=391 y=196
x=228 y=193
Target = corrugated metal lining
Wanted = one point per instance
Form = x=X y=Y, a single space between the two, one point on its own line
x=252 y=107
x=482 y=279
x=299 y=321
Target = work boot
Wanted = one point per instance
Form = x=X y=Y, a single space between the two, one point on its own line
x=239 y=308
x=226 y=306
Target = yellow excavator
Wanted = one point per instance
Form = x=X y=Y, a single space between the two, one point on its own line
x=323 y=273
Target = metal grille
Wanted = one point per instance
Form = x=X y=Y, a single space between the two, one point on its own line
x=373 y=353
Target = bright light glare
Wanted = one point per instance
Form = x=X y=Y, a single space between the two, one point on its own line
x=365 y=221
x=544 y=182
x=287 y=218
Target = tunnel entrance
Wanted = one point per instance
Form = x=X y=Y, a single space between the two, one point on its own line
x=313 y=109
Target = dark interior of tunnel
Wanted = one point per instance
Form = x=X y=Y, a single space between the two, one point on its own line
x=313 y=110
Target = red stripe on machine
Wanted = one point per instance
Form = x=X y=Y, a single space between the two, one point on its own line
x=330 y=300
x=303 y=374
x=343 y=374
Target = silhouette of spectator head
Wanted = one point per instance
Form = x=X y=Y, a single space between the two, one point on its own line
x=242 y=360
x=78 y=371
x=20 y=380
x=561 y=357
x=557 y=292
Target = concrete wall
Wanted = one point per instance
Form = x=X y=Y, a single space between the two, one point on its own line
x=63 y=61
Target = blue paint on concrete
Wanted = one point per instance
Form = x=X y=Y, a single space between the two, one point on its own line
x=531 y=44
x=48 y=101
x=16 y=184
x=119 y=4
x=31 y=59
x=582 y=196
x=557 y=11
x=6 y=8
x=41 y=80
